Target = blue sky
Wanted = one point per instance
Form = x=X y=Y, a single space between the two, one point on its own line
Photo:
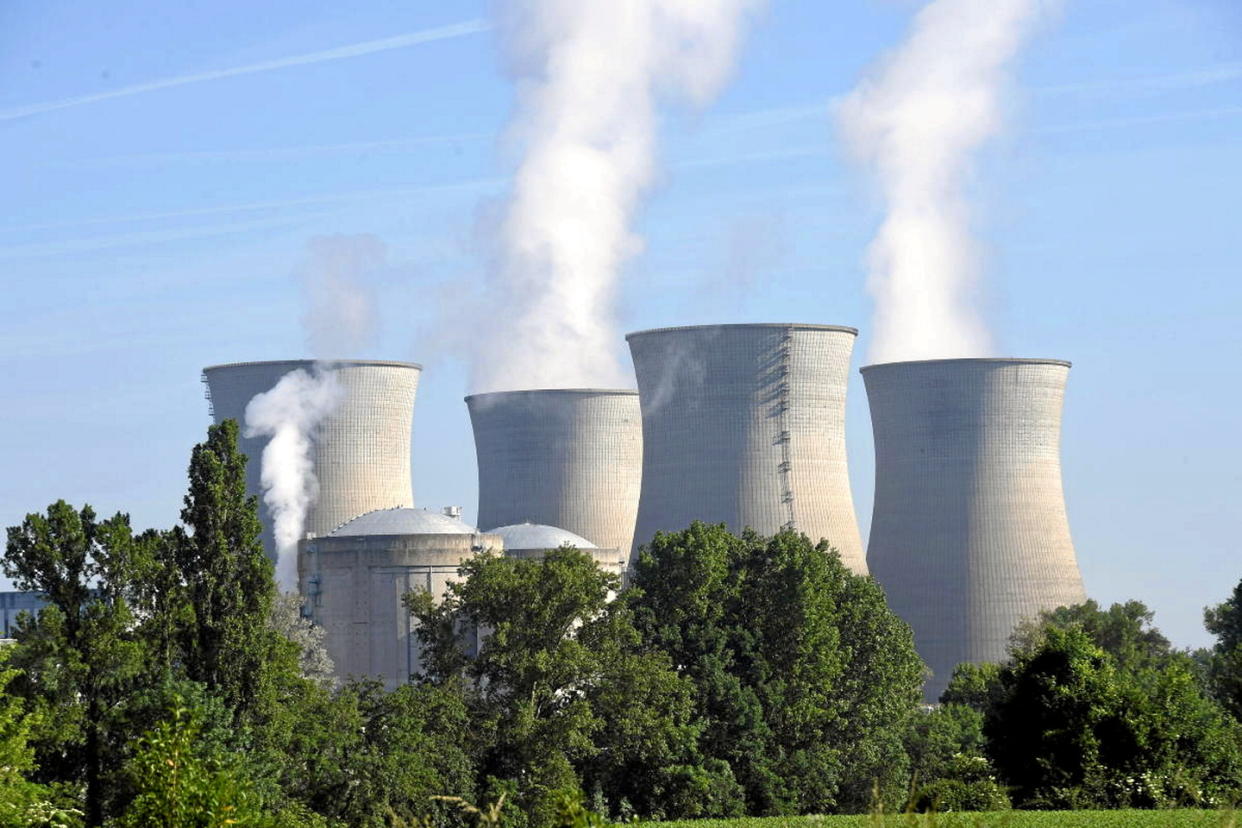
x=146 y=235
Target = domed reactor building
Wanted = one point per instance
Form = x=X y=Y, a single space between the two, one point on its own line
x=745 y=425
x=969 y=534
x=354 y=580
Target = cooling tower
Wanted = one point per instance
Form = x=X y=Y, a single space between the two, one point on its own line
x=969 y=534
x=569 y=458
x=745 y=425
x=362 y=449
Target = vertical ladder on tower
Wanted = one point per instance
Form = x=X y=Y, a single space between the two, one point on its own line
x=211 y=411
x=785 y=467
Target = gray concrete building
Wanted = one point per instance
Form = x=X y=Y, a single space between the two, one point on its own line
x=745 y=425
x=354 y=578
x=969 y=534
x=531 y=541
x=566 y=458
x=13 y=604
x=362 y=450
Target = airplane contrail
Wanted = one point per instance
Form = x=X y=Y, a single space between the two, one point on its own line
x=367 y=47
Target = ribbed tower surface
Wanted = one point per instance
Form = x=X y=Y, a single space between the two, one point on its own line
x=745 y=425
x=569 y=458
x=362 y=450
x=969 y=534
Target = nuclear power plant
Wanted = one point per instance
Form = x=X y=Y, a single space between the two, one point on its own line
x=745 y=425
x=736 y=424
x=969 y=534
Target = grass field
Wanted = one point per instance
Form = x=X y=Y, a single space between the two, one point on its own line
x=1000 y=819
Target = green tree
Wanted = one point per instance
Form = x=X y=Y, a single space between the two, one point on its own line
x=1070 y=729
x=227 y=581
x=1224 y=662
x=973 y=685
x=183 y=777
x=368 y=757
x=949 y=768
x=22 y=802
x=1125 y=631
x=559 y=692
x=80 y=657
x=804 y=680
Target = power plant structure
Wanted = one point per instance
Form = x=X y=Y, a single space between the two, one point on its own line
x=969 y=534
x=354 y=580
x=361 y=449
x=745 y=425
x=565 y=458
x=738 y=424
x=532 y=541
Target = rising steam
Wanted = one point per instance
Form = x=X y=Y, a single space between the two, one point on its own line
x=916 y=121
x=340 y=305
x=290 y=414
x=339 y=322
x=588 y=75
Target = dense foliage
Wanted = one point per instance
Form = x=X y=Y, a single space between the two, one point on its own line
x=1094 y=709
x=167 y=683
x=803 y=679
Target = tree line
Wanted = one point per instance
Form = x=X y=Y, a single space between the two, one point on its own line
x=166 y=683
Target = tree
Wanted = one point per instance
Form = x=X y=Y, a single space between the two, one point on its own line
x=560 y=694
x=287 y=620
x=183 y=776
x=949 y=769
x=368 y=757
x=80 y=657
x=23 y=802
x=804 y=680
x=228 y=644
x=1070 y=729
x=1125 y=631
x=1224 y=663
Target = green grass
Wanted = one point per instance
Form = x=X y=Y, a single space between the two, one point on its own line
x=1002 y=819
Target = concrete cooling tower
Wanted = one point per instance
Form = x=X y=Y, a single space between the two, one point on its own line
x=969 y=534
x=569 y=458
x=362 y=450
x=745 y=425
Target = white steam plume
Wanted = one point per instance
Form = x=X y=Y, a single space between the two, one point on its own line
x=340 y=317
x=916 y=121
x=589 y=75
x=290 y=414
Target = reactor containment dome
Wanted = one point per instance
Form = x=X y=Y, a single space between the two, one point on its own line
x=355 y=578
x=745 y=425
x=969 y=534
x=532 y=541
x=361 y=450
x=567 y=458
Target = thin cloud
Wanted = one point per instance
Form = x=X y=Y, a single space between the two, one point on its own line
x=1143 y=120
x=141 y=238
x=1190 y=79
x=471 y=185
x=367 y=47
x=280 y=153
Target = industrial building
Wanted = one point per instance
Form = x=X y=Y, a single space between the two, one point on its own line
x=362 y=449
x=568 y=458
x=13 y=604
x=354 y=579
x=531 y=541
x=745 y=425
x=969 y=534
x=737 y=424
